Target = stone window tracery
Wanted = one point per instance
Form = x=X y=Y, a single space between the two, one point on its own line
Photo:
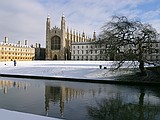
x=55 y=43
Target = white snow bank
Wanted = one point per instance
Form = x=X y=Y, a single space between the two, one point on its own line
x=13 y=115
x=68 y=69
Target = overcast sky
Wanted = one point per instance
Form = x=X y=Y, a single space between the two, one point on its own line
x=26 y=19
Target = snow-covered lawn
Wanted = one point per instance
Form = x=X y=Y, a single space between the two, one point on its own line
x=69 y=69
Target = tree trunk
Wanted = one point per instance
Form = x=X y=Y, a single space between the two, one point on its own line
x=142 y=68
x=141 y=62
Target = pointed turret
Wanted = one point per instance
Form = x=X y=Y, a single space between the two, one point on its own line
x=83 y=37
x=83 y=34
x=63 y=22
x=77 y=37
x=74 y=35
x=63 y=32
x=94 y=36
x=71 y=37
x=48 y=24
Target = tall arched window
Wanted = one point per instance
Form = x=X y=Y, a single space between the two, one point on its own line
x=55 y=43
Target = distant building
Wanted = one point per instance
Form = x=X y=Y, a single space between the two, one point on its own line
x=88 y=51
x=96 y=51
x=19 y=52
x=152 y=55
x=58 y=40
x=156 y=55
x=39 y=52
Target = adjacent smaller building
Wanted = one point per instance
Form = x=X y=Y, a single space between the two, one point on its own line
x=96 y=51
x=88 y=51
x=154 y=56
x=151 y=54
x=19 y=52
x=39 y=52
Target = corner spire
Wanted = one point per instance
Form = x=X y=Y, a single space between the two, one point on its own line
x=63 y=14
x=48 y=16
x=94 y=35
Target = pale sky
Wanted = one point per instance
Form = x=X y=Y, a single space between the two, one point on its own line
x=26 y=19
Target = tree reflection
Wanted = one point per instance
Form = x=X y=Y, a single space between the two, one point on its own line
x=116 y=109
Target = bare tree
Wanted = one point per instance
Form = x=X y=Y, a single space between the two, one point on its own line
x=128 y=40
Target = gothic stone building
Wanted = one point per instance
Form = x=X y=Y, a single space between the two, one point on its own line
x=59 y=40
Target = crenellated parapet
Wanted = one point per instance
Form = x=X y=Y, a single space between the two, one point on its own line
x=55 y=31
x=55 y=28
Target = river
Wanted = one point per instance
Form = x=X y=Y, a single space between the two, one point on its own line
x=80 y=101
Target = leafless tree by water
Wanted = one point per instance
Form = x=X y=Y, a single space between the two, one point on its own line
x=137 y=37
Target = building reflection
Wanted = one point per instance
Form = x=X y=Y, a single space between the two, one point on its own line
x=5 y=85
x=63 y=95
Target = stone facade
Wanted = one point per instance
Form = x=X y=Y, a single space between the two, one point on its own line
x=59 y=40
x=95 y=51
x=88 y=51
x=39 y=52
x=156 y=55
x=18 y=52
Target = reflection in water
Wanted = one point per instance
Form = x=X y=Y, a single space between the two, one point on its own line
x=7 y=84
x=110 y=108
x=115 y=109
x=80 y=101
x=60 y=95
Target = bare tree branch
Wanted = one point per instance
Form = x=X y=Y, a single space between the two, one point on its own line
x=128 y=40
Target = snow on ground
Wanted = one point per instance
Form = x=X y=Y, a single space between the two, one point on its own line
x=12 y=115
x=70 y=69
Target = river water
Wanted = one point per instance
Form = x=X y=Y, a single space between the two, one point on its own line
x=80 y=101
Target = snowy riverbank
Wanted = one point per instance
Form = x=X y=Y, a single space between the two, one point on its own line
x=13 y=115
x=64 y=69
x=68 y=69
